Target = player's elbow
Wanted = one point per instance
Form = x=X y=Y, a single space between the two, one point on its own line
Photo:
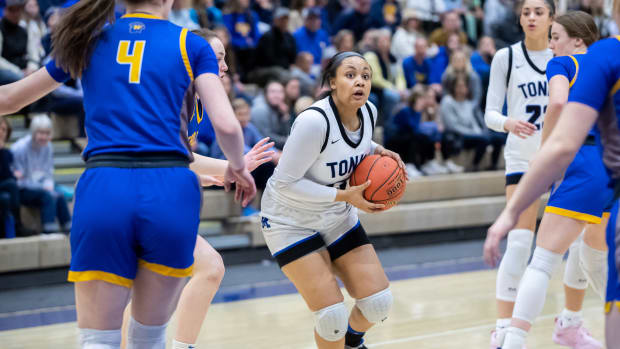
x=227 y=129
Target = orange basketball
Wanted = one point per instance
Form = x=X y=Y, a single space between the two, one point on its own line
x=387 y=180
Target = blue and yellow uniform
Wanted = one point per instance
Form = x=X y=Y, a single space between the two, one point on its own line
x=200 y=127
x=598 y=86
x=137 y=203
x=585 y=191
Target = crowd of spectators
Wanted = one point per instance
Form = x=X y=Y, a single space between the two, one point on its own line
x=430 y=60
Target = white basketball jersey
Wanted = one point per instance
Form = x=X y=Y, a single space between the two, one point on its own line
x=527 y=96
x=343 y=151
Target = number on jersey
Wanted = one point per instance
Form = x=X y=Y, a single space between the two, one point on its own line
x=536 y=111
x=134 y=60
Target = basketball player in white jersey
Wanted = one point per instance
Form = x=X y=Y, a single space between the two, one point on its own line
x=518 y=74
x=309 y=216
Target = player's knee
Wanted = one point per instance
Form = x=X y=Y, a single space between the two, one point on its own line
x=331 y=322
x=209 y=265
x=545 y=260
x=518 y=250
x=376 y=307
x=574 y=276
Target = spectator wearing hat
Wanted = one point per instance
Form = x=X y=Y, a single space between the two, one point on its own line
x=450 y=23
x=276 y=50
x=357 y=19
x=311 y=38
x=405 y=36
x=15 y=59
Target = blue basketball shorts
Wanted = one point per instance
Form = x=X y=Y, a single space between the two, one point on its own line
x=130 y=217
x=613 y=259
x=586 y=190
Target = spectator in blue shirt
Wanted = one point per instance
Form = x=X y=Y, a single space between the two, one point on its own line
x=311 y=38
x=385 y=13
x=442 y=59
x=206 y=14
x=481 y=62
x=417 y=68
x=242 y=24
x=356 y=19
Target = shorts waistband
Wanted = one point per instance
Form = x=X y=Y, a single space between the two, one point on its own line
x=137 y=160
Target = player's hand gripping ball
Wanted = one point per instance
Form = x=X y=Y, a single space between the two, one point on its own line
x=388 y=180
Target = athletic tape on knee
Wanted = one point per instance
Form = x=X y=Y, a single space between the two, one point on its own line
x=593 y=262
x=574 y=277
x=376 y=307
x=331 y=322
x=513 y=263
x=141 y=336
x=99 y=339
x=533 y=287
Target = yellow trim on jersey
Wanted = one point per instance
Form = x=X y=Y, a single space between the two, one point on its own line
x=617 y=37
x=89 y=275
x=574 y=214
x=572 y=81
x=183 y=47
x=608 y=306
x=167 y=271
x=606 y=214
x=615 y=88
x=140 y=15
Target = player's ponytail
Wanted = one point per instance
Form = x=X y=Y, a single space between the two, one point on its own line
x=77 y=31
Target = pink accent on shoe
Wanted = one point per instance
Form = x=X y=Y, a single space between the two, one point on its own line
x=576 y=337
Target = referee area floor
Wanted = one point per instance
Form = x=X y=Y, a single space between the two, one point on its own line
x=444 y=298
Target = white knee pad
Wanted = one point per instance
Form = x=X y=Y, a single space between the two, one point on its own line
x=574 y=277
x=513 y=264
x=593 y=262
x=533 y=287
x=376 y=307
x=141 y=336
x=100 y=339
x=331 y=322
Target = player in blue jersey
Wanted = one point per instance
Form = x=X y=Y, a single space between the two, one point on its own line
x=594 y=95
x=137 y=204
x=578 y=199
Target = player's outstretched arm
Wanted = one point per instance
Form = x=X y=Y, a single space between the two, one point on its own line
x=17 y=95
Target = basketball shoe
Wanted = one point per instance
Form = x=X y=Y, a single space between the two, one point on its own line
x=576 y=337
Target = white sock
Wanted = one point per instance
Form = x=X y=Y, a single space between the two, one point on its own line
x=502 y=324
x=593 y=262
x=570 y=318
x=141 y=336
x=99 y=339
x=515 y=338
x=180 y=345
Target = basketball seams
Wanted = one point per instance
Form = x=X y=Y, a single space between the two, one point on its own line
x=386 y=181
x=371 y=167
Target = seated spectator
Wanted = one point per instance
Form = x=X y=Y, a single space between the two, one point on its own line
x=481 y=62
x=504 y=26
x=34 y=169
x=302 y=71
x=206 y=14
x=242 y=25
x=264 y=9
x=251 y=136
x=417 y=68
x=385 y=13
x=275 y=52
x=292 y=92
x=296 y=20
x=388 y=81
x=311 y=38
x=303 y=103
x=357 y=19
x=450 y=24
x=403 y=41
x=461 y=64
x=428 y=12
x=36 y=28
x=462 y=117
x=15 y=59
x=330 y=13
x=342 y=42
x=368 y=41
x=441 y=60
x=604 y=22
x=9 y=192
x=270 y=114
x=180 y=14
x=403 y=134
